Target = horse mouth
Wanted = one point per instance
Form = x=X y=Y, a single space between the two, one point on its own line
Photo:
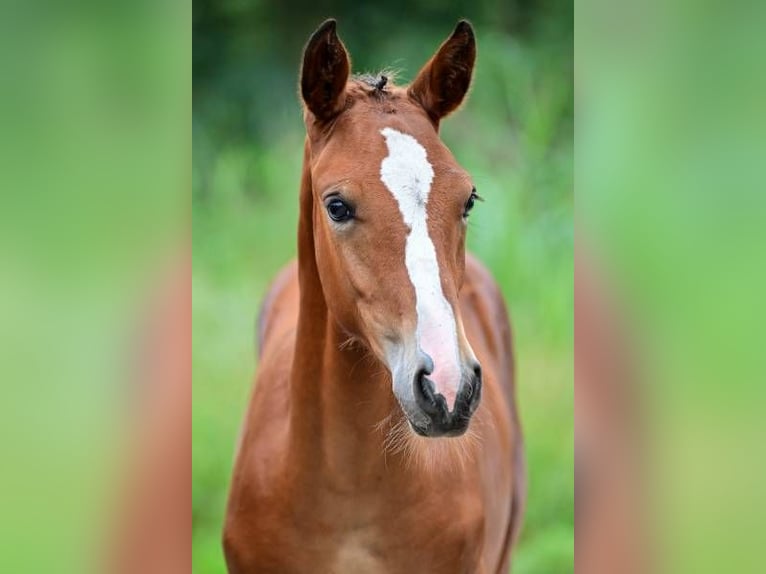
x=454 y=429
x=418 y=428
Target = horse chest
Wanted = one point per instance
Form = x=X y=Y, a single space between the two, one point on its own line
x=374 y=550
x=357 y=552
x=311 y=546
x=373 y=538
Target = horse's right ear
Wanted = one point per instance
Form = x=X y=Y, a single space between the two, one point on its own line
x=325 y=72
x=444 y=81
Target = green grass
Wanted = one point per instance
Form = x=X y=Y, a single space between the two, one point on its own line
x=515 y=137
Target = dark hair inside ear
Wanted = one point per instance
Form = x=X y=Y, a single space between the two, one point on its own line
x=324 y=72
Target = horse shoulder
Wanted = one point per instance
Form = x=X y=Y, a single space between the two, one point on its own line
x=489 y=330
x=279 y=310
x=253 y=516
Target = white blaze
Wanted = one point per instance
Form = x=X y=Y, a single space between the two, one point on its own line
x=407 y=174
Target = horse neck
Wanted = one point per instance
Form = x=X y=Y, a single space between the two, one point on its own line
x=338 y=392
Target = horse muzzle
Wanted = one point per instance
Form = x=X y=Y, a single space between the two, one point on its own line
x=434 y=417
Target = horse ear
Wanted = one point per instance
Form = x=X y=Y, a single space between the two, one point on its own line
x=324 y=72
x=442 y=83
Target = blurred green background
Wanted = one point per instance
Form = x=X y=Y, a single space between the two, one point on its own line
x=514 y=135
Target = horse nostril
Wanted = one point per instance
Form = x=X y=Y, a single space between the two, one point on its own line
x=420 y=375
x=423 y=385
x=474 y=384
x=427 y=364
x=425 y=394
x=473 y=389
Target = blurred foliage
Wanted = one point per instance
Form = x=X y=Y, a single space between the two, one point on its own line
x=514 y=135
x=94 y=167
x=671 y=199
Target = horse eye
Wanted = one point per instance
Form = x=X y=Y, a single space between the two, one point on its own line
x=339 y=210
x=470 y=203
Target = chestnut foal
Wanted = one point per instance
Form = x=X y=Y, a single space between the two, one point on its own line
x=382 y=435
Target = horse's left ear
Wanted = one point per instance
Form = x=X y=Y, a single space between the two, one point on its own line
x=324 y=72
x=443 y=82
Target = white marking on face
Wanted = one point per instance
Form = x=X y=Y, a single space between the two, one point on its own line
x=408 y=174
